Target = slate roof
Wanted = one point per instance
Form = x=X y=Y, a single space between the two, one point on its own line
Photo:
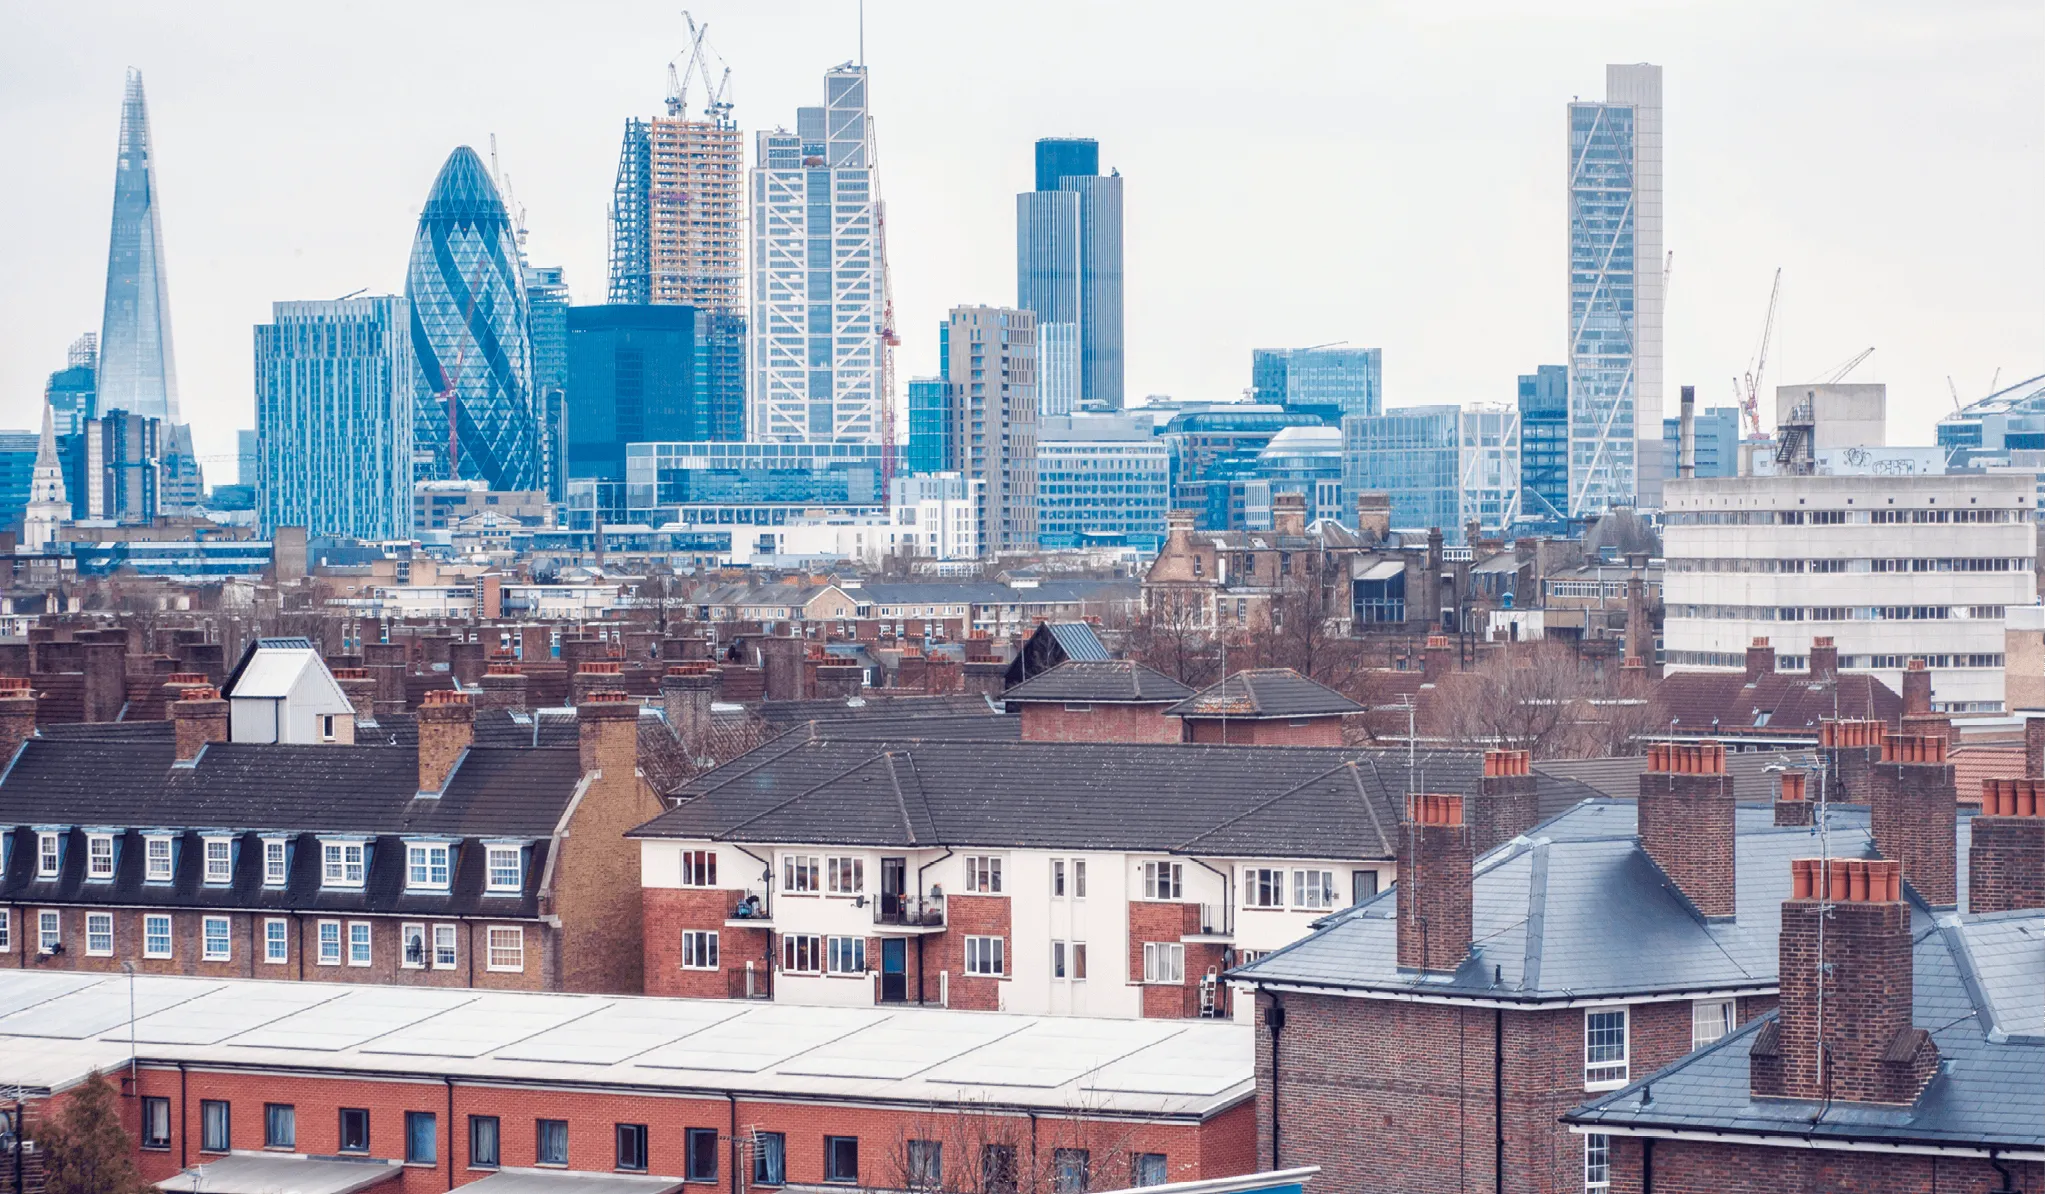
x=870 y=704
x=1266 y=692
x=1772 y=703
x=1618 y=776
x=1264 y=802
x=1977 y=984
x=1116 y=681
x=1576 y=910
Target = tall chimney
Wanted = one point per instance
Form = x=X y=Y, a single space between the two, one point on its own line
x=986 y=677
x=1436 y=924
x=1824 y=658
x=686 y=695
x=2034 y=745
x=594 y=676
x=502 y=686
x=1851 y=748
x=781 y=658
x=842 y=682
x=1912 y=812
x=175 y=685
x=1374 y=515
x=447 y=727
x=608 y=726
x=2006 y=859
x=1843 y=1029
x=1916 y=688
x=1686 y=436
x=359 y=687
x=1760 y=658
x=199 y=717
x=1792 y=800
x=1435 y=660
x=1686 y=822
x=17 y=715
x=1505 y=805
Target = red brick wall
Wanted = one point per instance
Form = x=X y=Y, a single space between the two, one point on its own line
x=668 y=911
x=1047 y=721
x=967 y=915
x=1156 y=921
x=1694 y=1167
x=1317 y=731
x=1912 y=807
x=2006 y=863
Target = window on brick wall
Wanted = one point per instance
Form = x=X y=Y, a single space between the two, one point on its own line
x=998 y=1169
x=1710 y=1019
x=847 y=955
x=1597 y=1164
x=1604 y=1048
x=699 y=868
x=49 y=931
x=802 y=953
x=358 y=943
x=1164 y=962
x=841 y=1159
x=156 y=935
x=632 y=1147
x=280 y=1125
x=330 y=942
x=214 y=1133
x=445 y=954
x=925 y=1165
x=770 y=1154
x=1263 y=887
x=276 y=942
x=699 y=949
x=215 y=940
x=550 y=1142
x=699 y=1154
x=985 y=956
x=483 y=1135
x=155 y=1122
x=507 y=948
x=422 y=1138
x=1164 y=880
x=412 y=953
x=983 y=874
x=1148 y=1169
x=99 y=934
x=1071 y=1171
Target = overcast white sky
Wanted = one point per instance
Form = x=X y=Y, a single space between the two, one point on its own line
x=1386 y=174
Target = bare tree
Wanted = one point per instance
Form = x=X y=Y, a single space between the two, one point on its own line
x=970 y=1147
x=1530 y=698
x=1174 y=634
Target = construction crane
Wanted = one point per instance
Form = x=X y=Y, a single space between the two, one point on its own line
x=890 y=340
x=1747 y=389
x=716 y=105
x=1837 y=373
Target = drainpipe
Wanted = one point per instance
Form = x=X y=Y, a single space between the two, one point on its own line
x=1647 y=1167
x=183 y=1135
x=1498 y=1099
x=450 y=1131
x=733 y=1100
x=919 y=937
x=1276 y=1019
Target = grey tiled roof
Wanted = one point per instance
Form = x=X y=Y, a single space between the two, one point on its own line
x=1619 y=775
x=1266 y=692
x=1118 y=681
x=872 y=704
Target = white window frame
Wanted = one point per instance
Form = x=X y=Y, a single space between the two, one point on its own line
x=336 y=867
x=408 y=932
x=1260 y=879
x=49 y=854
x=363 y=933
x=844 y=875
x=1304 y=895
x=328 y=933
x=217 y=876
x=149 y=935
x=1597 y=1163
x=1711 y=1020
x=49 y=931
x=1164 y=880
x=6 y=929
x=1058 y=878
x=493 y=865
x=327 y=727
x=99 y=925
x=1079 y=878
x=276 y=941
x=94 y=858
x=1058 y=964
x=987 y=957
x=1164 y=963
x=699 y=949
x=206 y=951
x=1605 y=1072
x=427 y=859
x=276 y=862
x=802 y=874
x=511 y=948
x=446 y=946
x=983 y=874
x=699 y=868
x=151 y=871
x=802 y=953
x=845 y=956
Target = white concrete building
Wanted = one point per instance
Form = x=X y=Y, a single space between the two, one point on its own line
x=1890 y=567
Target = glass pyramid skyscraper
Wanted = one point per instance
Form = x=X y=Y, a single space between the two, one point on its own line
x=136 y=370
x=471 y=335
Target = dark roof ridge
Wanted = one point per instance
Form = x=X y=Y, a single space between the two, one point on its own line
x=770 y=810
x=763 y=750
x=1254 y=809
x=901 y=801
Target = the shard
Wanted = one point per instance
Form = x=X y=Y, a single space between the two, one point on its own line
x=471 y=336
x=136 y=370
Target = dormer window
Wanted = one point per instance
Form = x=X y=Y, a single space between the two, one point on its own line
x=49 y=855
x=341 y=863
x=506 y=868
x=99 y=856
x=219 y=859
x=156 y=859
x=426 y=865
x=276 y=861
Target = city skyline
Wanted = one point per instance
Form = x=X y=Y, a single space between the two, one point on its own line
x=1740 y=137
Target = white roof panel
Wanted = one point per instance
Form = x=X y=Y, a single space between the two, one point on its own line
x=99 y=1008
x=225 y=1012
x=272 y=671
x=491 y=1023
x=1176 y=1071
x=30 y=987
x=623 y=1030
x=355 y=1018
x=903 y=1046
x=1052 y=1052
x=764 y=1036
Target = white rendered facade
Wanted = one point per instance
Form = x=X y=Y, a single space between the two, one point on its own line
x=819 y=276
x=1890 y=567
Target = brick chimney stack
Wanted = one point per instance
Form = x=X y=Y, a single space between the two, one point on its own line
x=1851 y=749
x=608 y=725
x=1760 y=658
x=175 y=686
x=2034 y=745
x=1843 y=1031
x=1436 y=660
x=1434 y=887
x=1374 y=515
x=986 y=677
x=781 y=658
x=842 y=682
x=1686 y=821
x=502 y=686
x=1913 y=810
x=2006 y=860
x=1505 y=805
x=594 y=676
x=1824 y=658
x=447 y=727
x=359 y=687
x=17 y=714
x=1918 y=717
x=199 y=717
x=686 y=694
x=1289 y=513
x=1792 y=799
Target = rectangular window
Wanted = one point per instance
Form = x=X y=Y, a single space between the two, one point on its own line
x=49 y=932
x=841 y=1159
x=426 y=865
x=1313 y=889
x=341 y=864
x=1071 y=1171
x=99 y=856
x=445 y=953
x=156 y=860
x=354 y=1130
x=632 y=1147
x=1058 y=877
x=983 y=874
x=1363 y=885
x=1148 y=1169
x=6 y=929
x=848 y=955
x=1263 y=887
x=99 y=934
x=330 y=943
x=1078 y=960
x=155 y=1122
x=801 y=874
x=1079 y=878
x=506 y=873
x=770 y=1159
x=214 y=1134
x=276 y=941
x=280 y=1125
x=847 y=875
x=422 y=1138
x=925 y=1164
x=802 y=953
x=1057 y=959
x=219 y=860
x=699 y=949
x=483 y=1142
x=507 y=949
x=984 y=956
x=699 y=868
x=550 y=1142
x=412 y=947
x=1604 y=1048
x=1710 y=1019
x=699 y=1154
x=214 y=940
x=1163 y=880
x=1164 y=962
x=358 y=943
x=1597 y=1164
x=156 y=936
x=998 y=1169
x=274 y=858
x=49 y=855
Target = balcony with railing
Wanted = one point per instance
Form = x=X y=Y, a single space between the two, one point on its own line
x=1214 y=926
x=749 y=913
x=909 y=914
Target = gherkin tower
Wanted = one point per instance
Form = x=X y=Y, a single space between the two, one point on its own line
x=471 y=335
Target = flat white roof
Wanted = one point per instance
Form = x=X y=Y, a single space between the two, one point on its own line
x=57 y=1028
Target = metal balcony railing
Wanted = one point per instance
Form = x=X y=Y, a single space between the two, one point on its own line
x=908 y=912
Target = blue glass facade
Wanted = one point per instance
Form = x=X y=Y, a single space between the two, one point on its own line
x=1331 y=382
x=1214 y=451
x=1112 y=488
x=929 y=442
x=1069 y=269
x=471 y=328
x=1544 y=447
x=747 y=482
x=137 y=371
x=644 y=373
x=1717 y=432
x=17 y=473
x=1066 y=157
x=1412 y=454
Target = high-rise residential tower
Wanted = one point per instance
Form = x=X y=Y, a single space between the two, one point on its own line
x=137 y=371
x=1068 y=266
x=991 y=399
x=471 y=335
x=819 y=274
x=1615 y=293
x=334 y=395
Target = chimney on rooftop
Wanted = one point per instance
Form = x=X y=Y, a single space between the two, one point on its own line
x=781 y=659
x=1792 y=798
x=594 y=676
x=1374 y=515
x=2006 y=858
x=1436 y=660
x=2034 y=744
x=1289 y=513
x=447 y=727
x=686 y=694
x=17 y=714
x=1843 y=1031
x=1851 y=748
x=608 y=726
x=1913 y=808
x=1760 y=658
x=199 y=717
x=1824 y=658
x=1505 y=805
x=1916 y=687
x=1434 y=900
x=986 y=677
x=1686 y=821
x=175 y=685
x=360 y=688
x=841 y=682
x=502 y=686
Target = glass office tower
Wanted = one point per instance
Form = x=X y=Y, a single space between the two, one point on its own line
x=137 y=372
x=1544 y=447
x=1335 y=379
x=1411 y=453
x=1069 y=270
